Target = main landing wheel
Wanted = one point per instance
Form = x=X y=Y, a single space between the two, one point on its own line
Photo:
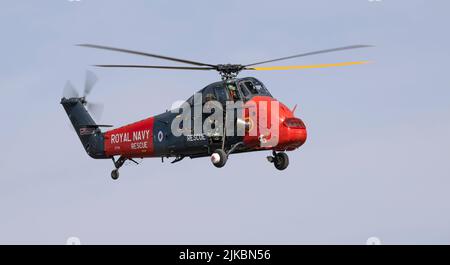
x=115 y=174
x=279 y=160
x=219 y=158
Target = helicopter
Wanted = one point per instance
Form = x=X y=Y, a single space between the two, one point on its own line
x=234 y=115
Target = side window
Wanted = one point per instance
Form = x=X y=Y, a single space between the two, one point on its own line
x=244 y=90
x=209 y=94
x=233 y=92
x=221 y=93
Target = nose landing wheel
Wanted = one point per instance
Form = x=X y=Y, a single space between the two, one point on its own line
x=280 y=160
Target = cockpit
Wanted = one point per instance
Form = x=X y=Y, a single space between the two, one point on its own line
x=249 y=87
x=233 y=90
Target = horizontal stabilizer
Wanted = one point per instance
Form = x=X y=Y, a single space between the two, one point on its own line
x=95 y=125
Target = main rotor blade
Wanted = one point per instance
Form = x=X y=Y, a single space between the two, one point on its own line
x=145 y=54
x=313 y=53
x=91 y=80
x=155 y=67
x=292 y=67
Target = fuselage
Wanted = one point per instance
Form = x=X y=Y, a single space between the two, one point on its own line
x=267 y=125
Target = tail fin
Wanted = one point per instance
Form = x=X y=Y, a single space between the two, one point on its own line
x=87 y=130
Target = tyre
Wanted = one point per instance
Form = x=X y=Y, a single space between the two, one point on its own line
x=115 y=174
x=281 y=161
x=219 y=158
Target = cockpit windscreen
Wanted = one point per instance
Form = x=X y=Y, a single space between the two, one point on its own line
x=252 y=87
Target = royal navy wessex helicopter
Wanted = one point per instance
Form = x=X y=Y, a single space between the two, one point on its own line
x=261 y=121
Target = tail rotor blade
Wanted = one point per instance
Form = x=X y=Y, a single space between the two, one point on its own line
x=69 y=91
x=96 y=109
x=91 y=80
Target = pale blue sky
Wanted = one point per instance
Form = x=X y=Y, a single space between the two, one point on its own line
x=375 y=163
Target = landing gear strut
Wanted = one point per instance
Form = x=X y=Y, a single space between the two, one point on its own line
x=118 y=164
x=280 y=160
x=219 y=157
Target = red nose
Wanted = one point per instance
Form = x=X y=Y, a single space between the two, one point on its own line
x=297 y=136
x=296 y=133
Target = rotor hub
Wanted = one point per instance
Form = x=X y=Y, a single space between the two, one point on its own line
x=229 y=71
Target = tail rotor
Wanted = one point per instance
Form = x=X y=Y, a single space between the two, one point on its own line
x=69 y=92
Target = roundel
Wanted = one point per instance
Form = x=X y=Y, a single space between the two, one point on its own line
x=160 y=136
